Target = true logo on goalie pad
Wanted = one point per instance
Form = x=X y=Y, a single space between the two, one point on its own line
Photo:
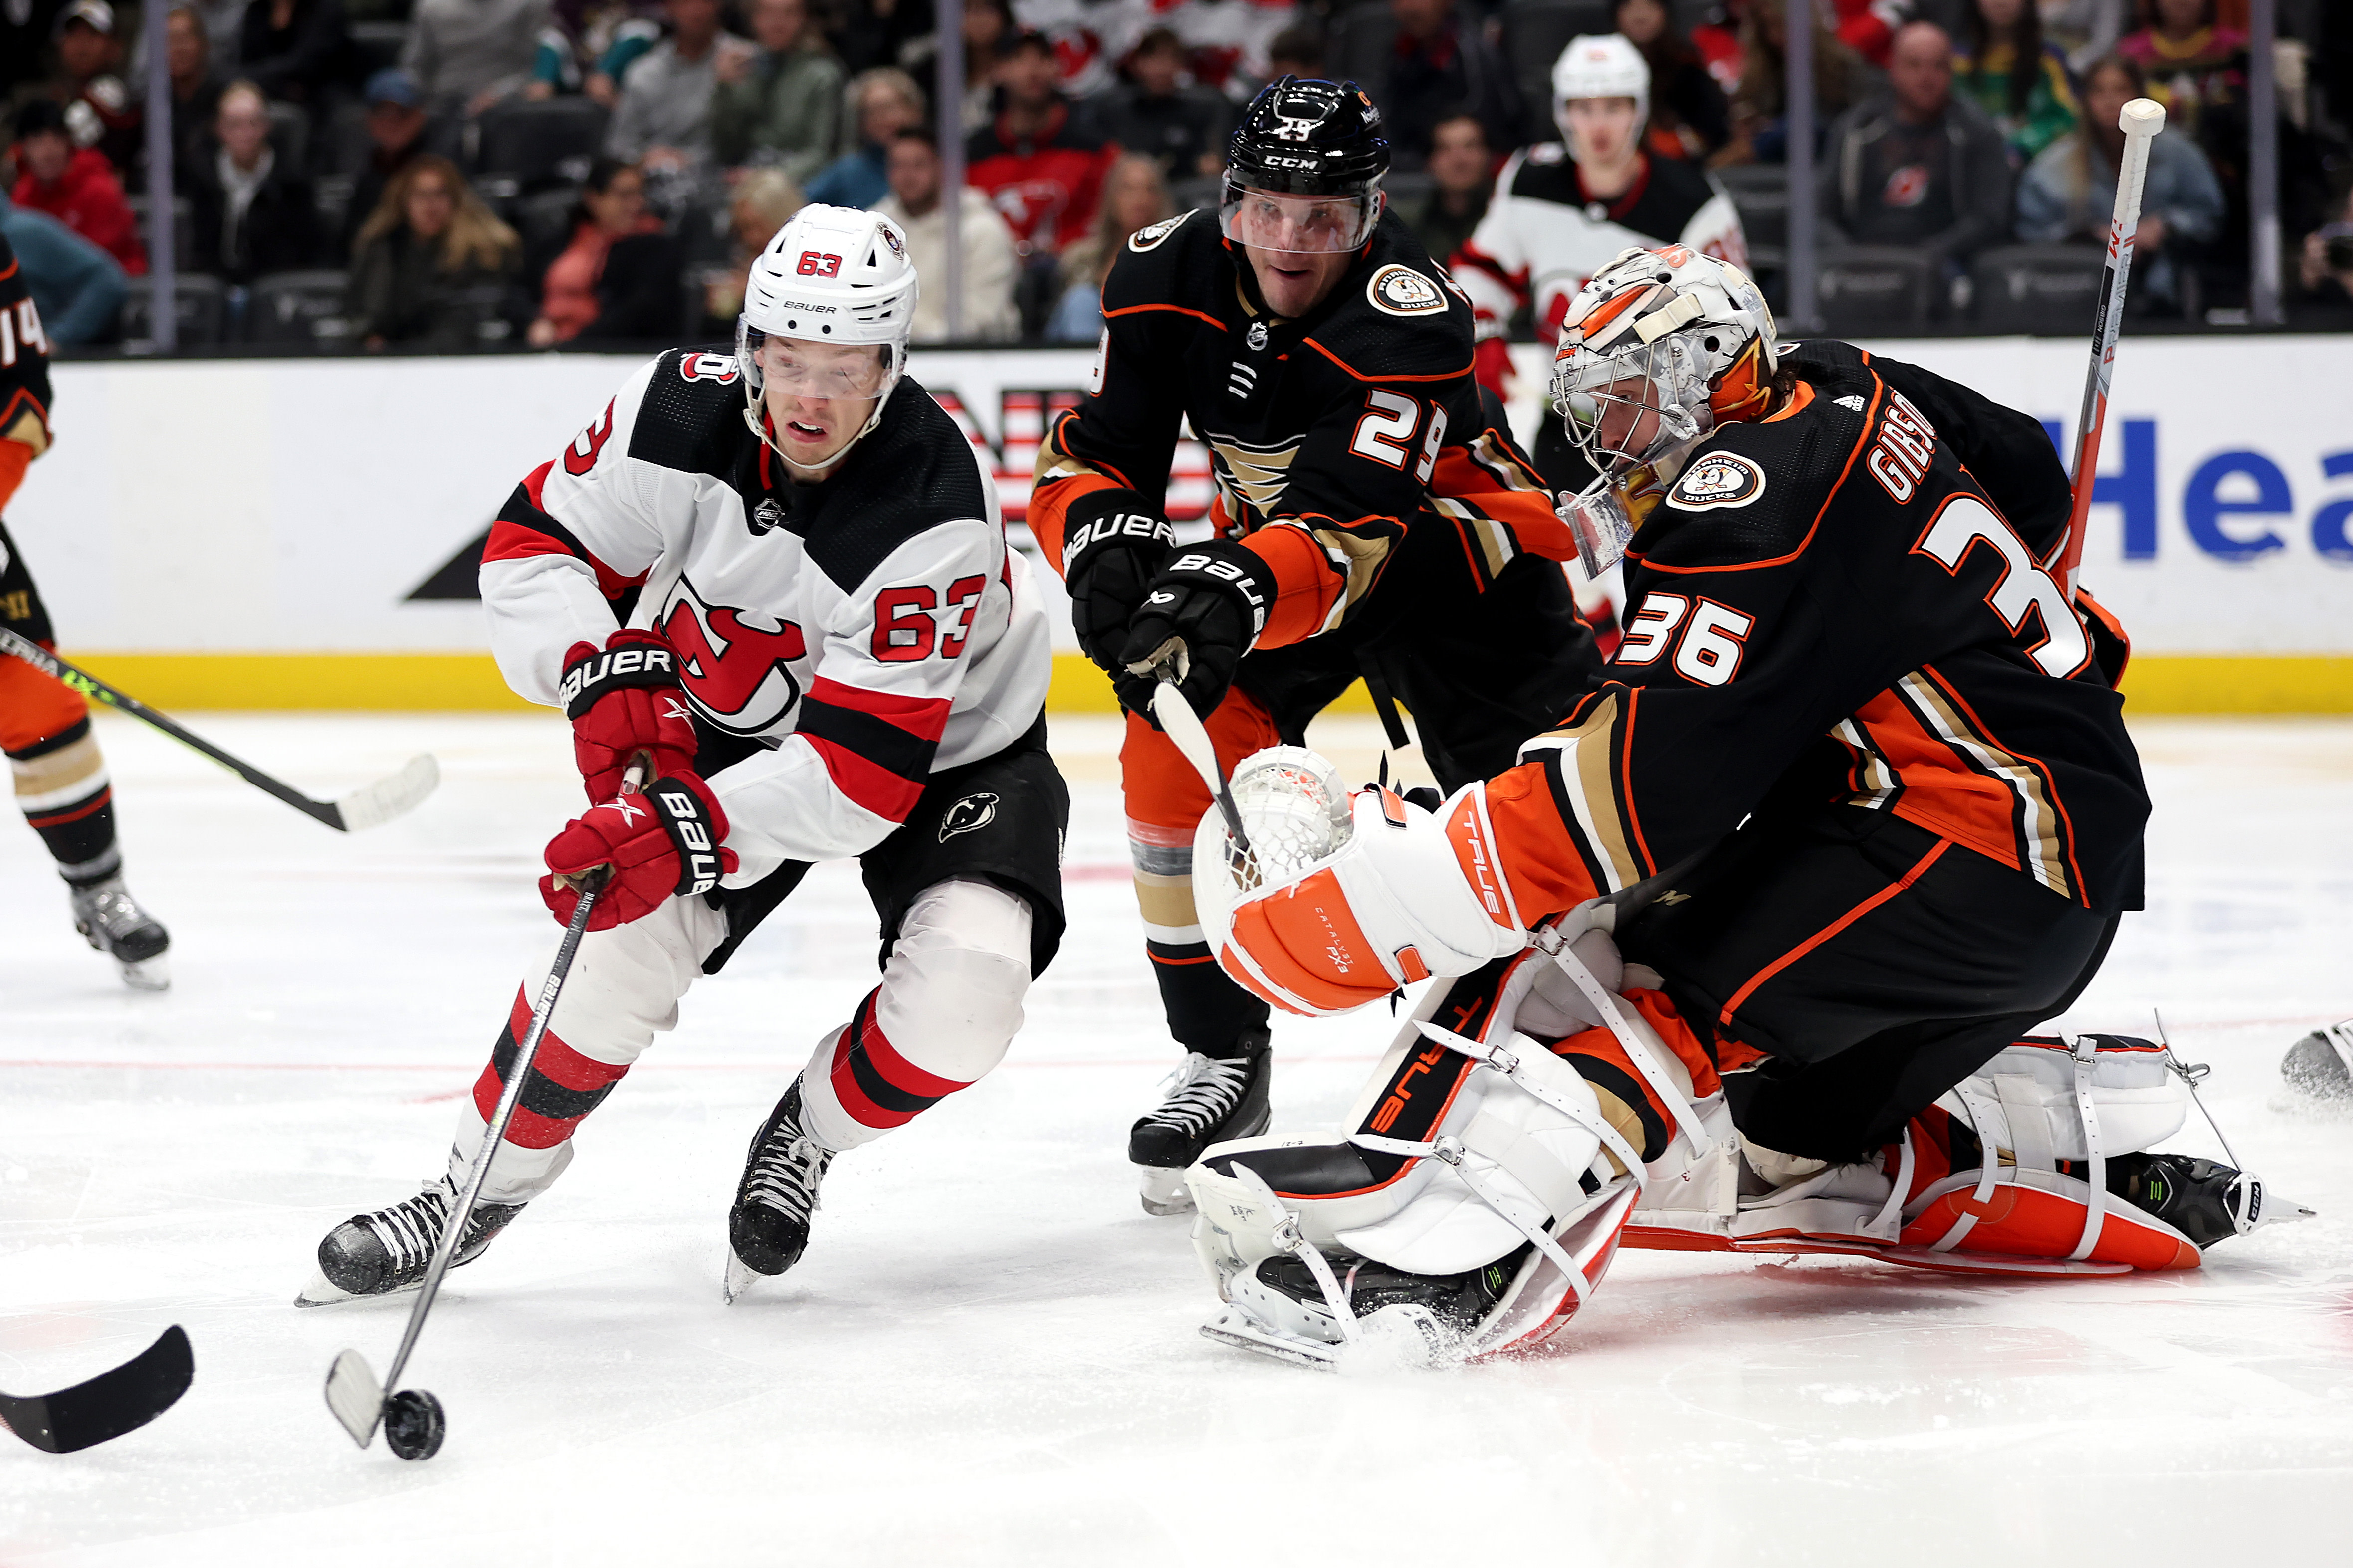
x=1717 y=480
x=970 y=815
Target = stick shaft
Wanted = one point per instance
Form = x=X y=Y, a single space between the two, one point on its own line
x=90 y=686
x=1184 y=727
x=2140 y=121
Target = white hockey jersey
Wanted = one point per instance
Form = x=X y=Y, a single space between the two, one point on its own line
x=1544 y=238
x=857 y=635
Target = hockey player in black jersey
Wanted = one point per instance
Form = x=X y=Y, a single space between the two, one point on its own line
x=1369 y=522
x=779 y=576
x=1751 y=945
x=59 y=774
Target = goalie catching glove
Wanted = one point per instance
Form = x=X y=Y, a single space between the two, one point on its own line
x=1342 y=899
x=624 y=700
x=666 y=843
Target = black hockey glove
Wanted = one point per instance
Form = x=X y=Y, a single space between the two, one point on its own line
x=1113 y=544
x=1212 y=601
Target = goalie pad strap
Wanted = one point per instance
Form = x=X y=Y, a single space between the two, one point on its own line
x=1640 y=1051
x=1535 y=1074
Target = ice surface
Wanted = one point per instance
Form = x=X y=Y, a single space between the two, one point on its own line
x=989 y=1355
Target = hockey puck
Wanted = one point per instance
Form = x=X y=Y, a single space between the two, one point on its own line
x=413 y=1424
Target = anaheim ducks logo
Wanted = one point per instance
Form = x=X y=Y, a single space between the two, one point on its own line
x=1144 y=238
x=1399 y=290
x=1253 y=474
x=1717 y=480
x=970 y=815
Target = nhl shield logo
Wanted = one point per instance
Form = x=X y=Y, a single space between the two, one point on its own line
x=1256 y=339
x=1398 y=290
x=970 y=815
x=766 y=517
x=1717 y=480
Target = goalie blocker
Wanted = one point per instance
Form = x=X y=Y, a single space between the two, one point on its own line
x=1546 y=1106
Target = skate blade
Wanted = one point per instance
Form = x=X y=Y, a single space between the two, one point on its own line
x=2277 y=1209
x=1163 y=1190
x=324 y=1292
x=1236 y=1327
x=148 y=974
x=738 y=1278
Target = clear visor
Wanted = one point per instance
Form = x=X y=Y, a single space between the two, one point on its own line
x=1632 y=404
x=1296 y=225
x=798 y=368
x=1597 y=519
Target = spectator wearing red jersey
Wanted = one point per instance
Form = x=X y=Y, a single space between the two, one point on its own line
x=1044 y=170
x=75 y=185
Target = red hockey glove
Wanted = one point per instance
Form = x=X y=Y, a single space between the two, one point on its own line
x=1491 y=363
x=661 y=845
x=624 y=700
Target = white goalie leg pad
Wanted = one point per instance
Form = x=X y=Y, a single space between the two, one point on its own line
x=2083 y=1100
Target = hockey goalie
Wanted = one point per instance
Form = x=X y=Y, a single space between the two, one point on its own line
x=1745 y=955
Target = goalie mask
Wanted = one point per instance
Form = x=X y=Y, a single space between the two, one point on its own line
x=1660 y=348
x=828 y=308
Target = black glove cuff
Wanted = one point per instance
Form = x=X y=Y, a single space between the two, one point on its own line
x=593 y=676
x=1101 y=519
x=1227 y=568
x=685 y=815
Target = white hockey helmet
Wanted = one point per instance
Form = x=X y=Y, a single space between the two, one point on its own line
x=1600 y=65
x=1671 y=331
x=832 y=275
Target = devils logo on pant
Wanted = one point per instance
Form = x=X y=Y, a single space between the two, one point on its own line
x=969 y=814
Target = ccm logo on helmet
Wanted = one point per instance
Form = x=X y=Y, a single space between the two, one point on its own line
x=720 y=368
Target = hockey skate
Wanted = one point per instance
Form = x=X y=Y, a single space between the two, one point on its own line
x=768 y=1229
x=111 y=920
x=1209 y=1100
x=386 y=1253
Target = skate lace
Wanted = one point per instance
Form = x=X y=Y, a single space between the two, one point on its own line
x=410 y=1230
x=1205 y=1093
x=111 y=910
x=786 y=1173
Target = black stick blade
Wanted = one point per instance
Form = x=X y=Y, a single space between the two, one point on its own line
x=109 y=1405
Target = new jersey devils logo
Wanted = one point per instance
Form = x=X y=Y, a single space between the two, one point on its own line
x=735 y=672
x=970 y=815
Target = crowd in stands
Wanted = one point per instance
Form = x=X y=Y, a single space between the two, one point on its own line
x=463 y=174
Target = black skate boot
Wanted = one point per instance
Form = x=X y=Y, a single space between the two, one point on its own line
x=1209 y=1100
x=111 y=919
x=2205 y=1200
x=768 y=1229
x=1459 y=1302
x=2320 y=1065
x=387 y=1252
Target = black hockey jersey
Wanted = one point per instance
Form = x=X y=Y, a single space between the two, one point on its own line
x=1861 y=579
x=866 y=632
x=1328 y=434
x=24 y=375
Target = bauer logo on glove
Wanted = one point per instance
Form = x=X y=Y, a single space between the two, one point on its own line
x=666 y=843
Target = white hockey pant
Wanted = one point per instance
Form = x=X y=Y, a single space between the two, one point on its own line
x=948 y=1006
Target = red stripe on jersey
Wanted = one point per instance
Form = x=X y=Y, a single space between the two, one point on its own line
x=925 y=718
x=535 y=481
x=897 y=1071
x=517 y=542
x=867 y=783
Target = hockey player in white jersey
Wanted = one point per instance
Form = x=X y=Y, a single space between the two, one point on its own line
x=1563 y=210
x=778 y=578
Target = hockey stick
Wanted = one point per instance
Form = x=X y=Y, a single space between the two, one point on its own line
x=1184 y=727
x=109 y=1405
x=2140 y=121
x=413 y=1419
x=380 y=802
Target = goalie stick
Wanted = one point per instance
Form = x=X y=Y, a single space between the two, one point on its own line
x=2140 y=121
x=109 y=1405
x=413 y=1420
x=394 y=795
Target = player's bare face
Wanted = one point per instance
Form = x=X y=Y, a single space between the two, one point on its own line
x=818 y=395
x=1292 y=284
x=1600 y=132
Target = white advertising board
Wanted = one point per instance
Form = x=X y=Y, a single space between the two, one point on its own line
x=264 y=506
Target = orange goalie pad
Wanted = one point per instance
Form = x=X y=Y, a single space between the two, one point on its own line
x=2030 y=1221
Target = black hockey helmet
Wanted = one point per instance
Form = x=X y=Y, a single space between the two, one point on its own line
x=1303 y=139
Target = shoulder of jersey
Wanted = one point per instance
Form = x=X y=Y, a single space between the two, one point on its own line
x=1685 y=183
x=691 y=414
x=1753 y=489
x=1545 y=174
x=1168 y=262
x=917 y=471
x=1406 y=320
